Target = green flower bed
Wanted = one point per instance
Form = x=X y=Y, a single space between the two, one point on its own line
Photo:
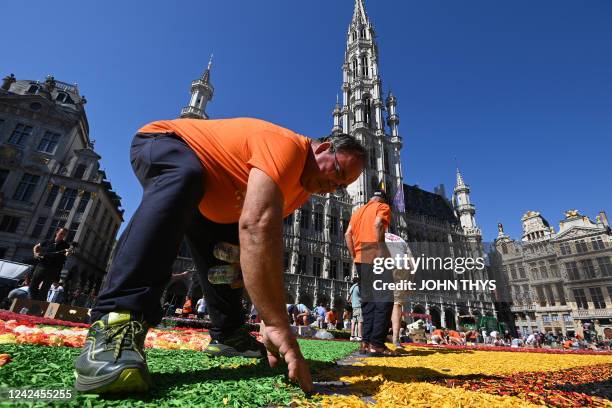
x=181 y=377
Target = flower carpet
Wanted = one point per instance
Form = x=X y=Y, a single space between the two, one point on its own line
x=36 y=354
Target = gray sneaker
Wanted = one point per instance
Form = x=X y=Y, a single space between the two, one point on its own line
x=113 y=359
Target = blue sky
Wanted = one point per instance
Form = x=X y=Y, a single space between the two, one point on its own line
x=519 y=92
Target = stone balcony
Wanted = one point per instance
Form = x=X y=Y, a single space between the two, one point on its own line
x=592 y=313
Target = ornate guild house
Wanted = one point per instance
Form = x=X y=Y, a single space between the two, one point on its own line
x=50 y=177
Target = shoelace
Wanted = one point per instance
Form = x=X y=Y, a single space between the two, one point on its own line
x=126 y=331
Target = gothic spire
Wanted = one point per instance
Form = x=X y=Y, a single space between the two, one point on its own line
x=359 y=13
x=206 y=75
x=460 y=182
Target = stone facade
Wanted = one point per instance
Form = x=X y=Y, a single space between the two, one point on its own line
x=50 y=177
x=559 y=281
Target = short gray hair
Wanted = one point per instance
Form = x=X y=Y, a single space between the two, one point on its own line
x=342 y=142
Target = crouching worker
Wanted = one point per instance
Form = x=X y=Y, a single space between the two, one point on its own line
x=230 y=180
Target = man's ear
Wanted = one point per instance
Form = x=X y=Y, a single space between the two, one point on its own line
x=322 y=147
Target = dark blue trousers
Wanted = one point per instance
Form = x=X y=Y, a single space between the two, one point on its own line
x=376 y=308
x=173 y=182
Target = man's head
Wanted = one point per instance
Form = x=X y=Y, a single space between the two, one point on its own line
x=61 y=234
x=335 y=162
x=379 y=195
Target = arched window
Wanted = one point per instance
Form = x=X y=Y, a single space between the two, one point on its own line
x=318 y=218
x=387 y=168
x=355 y=67
x=364 y=66
x=366 y=110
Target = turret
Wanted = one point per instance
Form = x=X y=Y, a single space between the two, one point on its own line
x=201 y=93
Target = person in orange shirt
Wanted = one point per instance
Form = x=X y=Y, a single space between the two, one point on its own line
x=210 y=181
x=438 y=337
x=365 y=239
x=331 y=319
x=454 y=337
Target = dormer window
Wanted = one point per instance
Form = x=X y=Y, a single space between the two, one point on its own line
x=33 y=89
x=62 y=97
x=79 y=171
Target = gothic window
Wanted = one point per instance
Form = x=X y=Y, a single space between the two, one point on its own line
x=40 y=224
x=316 y=266
x=48 y=143
x=333 y=225
x=366 y=110
x=353 y=35
x=345 y=221
x=301 y=266
x=346 y=270
x=355 y=67
x=9 y=224
x=363 y=33
x=333 y=269
x=26 y=187
x=386 y=153
x=79 y=171
x=20 y=134
x=52 y=196
x=318 y=219
x=364 y=66
x=305 y=219
x=286 y=260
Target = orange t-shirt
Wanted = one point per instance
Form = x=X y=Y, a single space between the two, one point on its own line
x=229 y=148
x=364 y=231
x=455 y=334
x=437 y=332
x=331 y=317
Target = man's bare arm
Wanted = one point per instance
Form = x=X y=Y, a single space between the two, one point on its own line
x=261 y=247
x=348 y=237
x=261 y=254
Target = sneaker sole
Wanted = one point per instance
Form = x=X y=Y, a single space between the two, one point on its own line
x=127 y=380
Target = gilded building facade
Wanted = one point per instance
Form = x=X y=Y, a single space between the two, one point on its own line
x=560 y=281
x=50 y=177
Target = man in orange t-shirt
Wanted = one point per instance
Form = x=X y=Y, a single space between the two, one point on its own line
x=365 y=239
x=210 y=181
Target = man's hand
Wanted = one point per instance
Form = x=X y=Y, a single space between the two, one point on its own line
x=281 y=343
